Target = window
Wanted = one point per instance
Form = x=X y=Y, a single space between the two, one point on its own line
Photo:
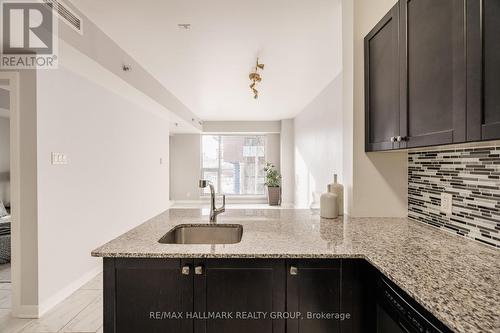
x=235 y=164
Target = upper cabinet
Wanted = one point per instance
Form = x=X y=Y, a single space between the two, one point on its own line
x=449 y=74
x=491 y=34
x=433 y=80
x=382 y=83
x=483 y=70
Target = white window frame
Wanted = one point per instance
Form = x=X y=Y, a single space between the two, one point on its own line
x=218 y=169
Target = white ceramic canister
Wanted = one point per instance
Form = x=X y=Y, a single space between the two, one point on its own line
x=338 y=189
x=328 y=205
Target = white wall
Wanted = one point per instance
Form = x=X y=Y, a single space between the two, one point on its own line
x=287 y=162
x=4 y=159
x=273 y=149
x=347 y=101
x=23 y=111
x=329 y=133
x=318 y=144
x=113 y=180
x=380 y=180
x=4 y=98
x=241 y=126
x=4 y=145
x=185 y=156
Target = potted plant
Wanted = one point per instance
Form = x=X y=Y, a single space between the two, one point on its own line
x=273 y=182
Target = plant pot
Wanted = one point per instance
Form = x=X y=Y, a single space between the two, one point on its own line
x=274 y=195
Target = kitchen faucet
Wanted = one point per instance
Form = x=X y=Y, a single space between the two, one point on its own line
x=213 y=211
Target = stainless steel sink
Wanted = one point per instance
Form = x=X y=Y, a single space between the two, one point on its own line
x=204 y=234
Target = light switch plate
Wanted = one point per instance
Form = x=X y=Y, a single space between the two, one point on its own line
x=446 y=203
x=59 y=159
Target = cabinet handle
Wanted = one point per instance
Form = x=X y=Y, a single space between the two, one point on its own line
x=401 y=138
x=198 y=270
x=294 y=270
x=185 y=270
x=393 y=139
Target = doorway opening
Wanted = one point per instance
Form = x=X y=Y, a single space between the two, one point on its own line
x=10 y=199
x=5 y=195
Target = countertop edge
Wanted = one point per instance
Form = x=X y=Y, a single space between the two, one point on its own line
x=433 y=306
x=225 y=256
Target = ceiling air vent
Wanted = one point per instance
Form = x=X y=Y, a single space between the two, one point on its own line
x=68 y=16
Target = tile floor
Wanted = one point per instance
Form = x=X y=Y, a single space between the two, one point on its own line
x=79 y=313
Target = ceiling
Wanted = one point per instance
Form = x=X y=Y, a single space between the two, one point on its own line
x=207 y=66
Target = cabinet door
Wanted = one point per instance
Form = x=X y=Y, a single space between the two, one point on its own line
x=382 y=120
x=239 y=287
x=483 y=69
x=491 y=21
x=358 y=296
x=433 y=71
x=313 y=287
x=141 y=294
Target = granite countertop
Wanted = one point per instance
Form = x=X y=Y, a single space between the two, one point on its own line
x=456 y=279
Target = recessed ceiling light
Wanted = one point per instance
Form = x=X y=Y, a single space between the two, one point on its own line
x=184 y=26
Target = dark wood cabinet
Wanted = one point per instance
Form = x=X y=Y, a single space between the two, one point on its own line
x=254 y=287
x=449 y=74
x=139 y=293
x=382 y=116
x=238 y=295
x=491 y=69
x=174 y=295
x=313 y=287
x=483 y=70
x=358 y=297
x=433 y=72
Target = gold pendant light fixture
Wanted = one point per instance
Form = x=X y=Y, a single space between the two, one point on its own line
x=255 y=78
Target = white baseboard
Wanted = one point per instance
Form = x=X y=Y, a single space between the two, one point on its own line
x=186 y=202
x=26 y=312
x=229 y=200
x=62 y=294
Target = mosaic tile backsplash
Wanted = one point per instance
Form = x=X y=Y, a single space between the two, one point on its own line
x=472 y=176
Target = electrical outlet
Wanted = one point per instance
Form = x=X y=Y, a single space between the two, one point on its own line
x=59 y=158
x=446 y=203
